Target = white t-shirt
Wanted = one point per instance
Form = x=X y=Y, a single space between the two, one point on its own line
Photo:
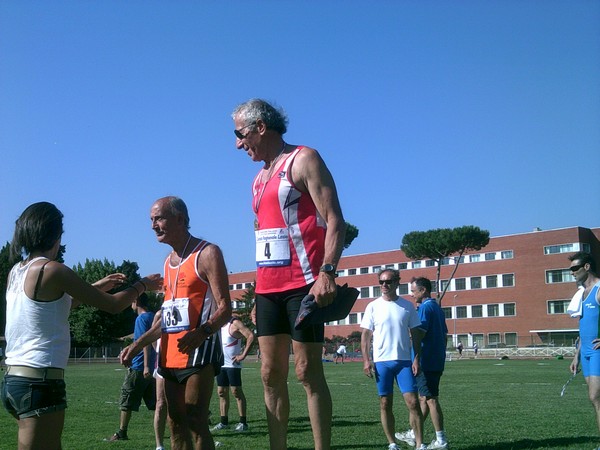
x=341 y=350
x=390 y=322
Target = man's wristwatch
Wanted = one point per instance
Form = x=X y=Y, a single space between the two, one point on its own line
x=206 y=328
x=328 y=268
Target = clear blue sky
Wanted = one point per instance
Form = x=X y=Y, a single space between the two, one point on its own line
x=429 y=114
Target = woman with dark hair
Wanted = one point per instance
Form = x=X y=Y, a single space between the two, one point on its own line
x=39 y=295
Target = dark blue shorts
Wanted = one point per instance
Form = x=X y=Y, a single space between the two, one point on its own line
x=230 y=376
x=27 y=397
x=276 y=314
x=429 y=384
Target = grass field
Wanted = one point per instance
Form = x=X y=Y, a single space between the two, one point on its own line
x=488 y=404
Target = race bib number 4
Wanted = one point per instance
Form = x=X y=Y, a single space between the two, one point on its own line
x=175 y=315
x=272 y=247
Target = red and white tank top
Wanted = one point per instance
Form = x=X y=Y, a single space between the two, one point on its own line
x=290 y=232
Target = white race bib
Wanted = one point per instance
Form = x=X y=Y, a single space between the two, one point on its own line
x=175 y=315
x=272 y=247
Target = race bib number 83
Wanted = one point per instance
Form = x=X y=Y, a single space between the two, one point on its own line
x=175 y=315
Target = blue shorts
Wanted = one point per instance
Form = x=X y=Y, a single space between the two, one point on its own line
x=401 y=371
x=28 y=397
x=429 y=384
x=230 y=376
x=590 y=365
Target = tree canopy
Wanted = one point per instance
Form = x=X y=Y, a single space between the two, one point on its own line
x=351 y=234
x=439 y=244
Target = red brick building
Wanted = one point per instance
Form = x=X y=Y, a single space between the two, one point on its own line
x=513 y=292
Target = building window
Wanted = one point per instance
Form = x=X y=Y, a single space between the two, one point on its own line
x=375 y=269
x=443 y=284
x=364 y=292
x=248 y=285
x=493 y=338
x=447 y=313
x=239 y=286
x=493 y=310
x=445 y=261
x=351 y=271
x=461 y=312
x=340 y=273
x=477 y=311
x=475 y=258
x=563 y=248
x=364 y=270
x=508 y=279
x=490 y=256
x=510 y=309
x=475 y=282
x=510 y=339
x=401 y=266
x=477 y=337
x=460 y=284
x=353 y=318
x=429 y=263
x=434 y=286
x=507 y=254
x=559 y=276
x=231 y=287
x=491 y=281
x=416 y=264
x=391 y=266
x=376 y=291
x=403 y=288
x=558 y=306
x=461 y=260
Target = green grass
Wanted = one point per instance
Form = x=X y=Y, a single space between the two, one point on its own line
x=488 y=404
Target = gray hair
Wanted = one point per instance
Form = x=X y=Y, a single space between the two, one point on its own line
x=256 y=109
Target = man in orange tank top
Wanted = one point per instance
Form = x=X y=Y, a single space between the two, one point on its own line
x=195 y=307
x=300 y=231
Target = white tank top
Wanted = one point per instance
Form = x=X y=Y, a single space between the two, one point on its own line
x=37 y=332
x=232 y=346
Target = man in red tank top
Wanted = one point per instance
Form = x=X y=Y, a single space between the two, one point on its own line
x=195 y=307
x=299 y=230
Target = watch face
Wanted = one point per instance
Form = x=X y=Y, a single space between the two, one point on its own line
x=328 y=268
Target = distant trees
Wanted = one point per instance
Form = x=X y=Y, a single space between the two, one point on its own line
x=91 y=327
x=442 y=243
x=351 y=234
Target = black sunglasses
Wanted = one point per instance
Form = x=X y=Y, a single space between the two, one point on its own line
x=576 y=268
x=238 y=133
x=392 y=281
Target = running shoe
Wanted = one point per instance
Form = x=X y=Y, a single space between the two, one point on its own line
x=241 y=427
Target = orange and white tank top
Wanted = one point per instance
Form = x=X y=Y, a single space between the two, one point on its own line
x=290 y=232
x=188 y=303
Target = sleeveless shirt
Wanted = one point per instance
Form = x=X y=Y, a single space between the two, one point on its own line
x=37 y=332
x=589 y=324
x=188 y=303
x=232 y=346
x=290 y=232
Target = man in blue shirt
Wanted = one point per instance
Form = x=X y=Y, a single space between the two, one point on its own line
x=433 y=359
x=139 y=382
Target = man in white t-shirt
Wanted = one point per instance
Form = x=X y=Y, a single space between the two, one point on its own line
x=391 y=322
x=340 y=353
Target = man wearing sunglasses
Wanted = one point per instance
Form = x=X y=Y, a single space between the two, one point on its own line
x=392 y=322
x=583 y=268
x=299 y=230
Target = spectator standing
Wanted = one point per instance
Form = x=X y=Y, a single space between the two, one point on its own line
x=392 y=323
